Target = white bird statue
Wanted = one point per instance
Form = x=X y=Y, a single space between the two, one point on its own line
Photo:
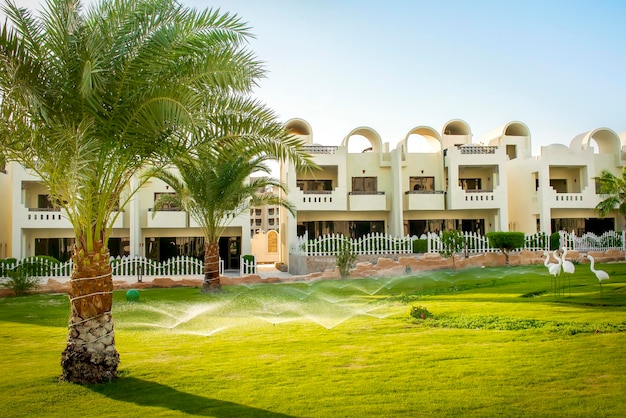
x=553 y=268
x=600 y=274
x=568 y=267
x=555 y=254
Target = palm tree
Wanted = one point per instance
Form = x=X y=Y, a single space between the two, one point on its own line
x=613 y=190
x=213 y=182
x=90 y=98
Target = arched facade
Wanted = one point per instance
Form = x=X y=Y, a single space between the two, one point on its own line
x=456 y=132
x=608 y=141
x=429 y=134
x=301 y=128
x=370 y=134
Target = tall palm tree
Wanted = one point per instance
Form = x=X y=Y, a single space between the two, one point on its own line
x=613 y=190
x=213 y=181
x=90 y=97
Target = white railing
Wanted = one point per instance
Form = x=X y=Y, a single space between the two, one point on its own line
x=610 y=240
x=375 y=243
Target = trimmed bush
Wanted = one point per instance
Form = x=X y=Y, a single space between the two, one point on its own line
x=420 y=246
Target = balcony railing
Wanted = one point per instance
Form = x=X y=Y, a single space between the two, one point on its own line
x=320 y=149
x=54 y=218
x=166 y=219
x=477 y=149
x=424 y=200
x=367 y=201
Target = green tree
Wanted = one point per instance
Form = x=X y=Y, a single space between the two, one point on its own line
x=213 y=182
x=613 y=191
x=90 y=97
x=453 y=242
x=506 y=242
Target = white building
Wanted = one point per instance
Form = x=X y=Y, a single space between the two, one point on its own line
x=432 y=180
x=450 y=183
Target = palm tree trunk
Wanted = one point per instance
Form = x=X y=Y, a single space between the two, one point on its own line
x=211 y=268
x=90 y=356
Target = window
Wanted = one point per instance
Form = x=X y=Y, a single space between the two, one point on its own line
x=270 y=211
x=511 y=151
x=313 y=186
x=560 y=185
x=257 y=222
x=364 y=185
x=43 y=202
x=271 y=221
x=257 y=212
x=422 y=184
x=470 y=184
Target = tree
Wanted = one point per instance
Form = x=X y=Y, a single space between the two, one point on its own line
x=613 y=190
x=213 y=182
x=453 y=241
x=87 y=100
x=506 y=242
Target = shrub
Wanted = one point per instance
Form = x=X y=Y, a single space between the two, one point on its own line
x=555 y=241
x=420 y=246
x=345 y=257
x=420 y=312
x=21 y=279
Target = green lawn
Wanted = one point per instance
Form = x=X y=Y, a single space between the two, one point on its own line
x=500 y=343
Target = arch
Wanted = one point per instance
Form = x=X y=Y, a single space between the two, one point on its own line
x=429 y=134
x=368 y=133
x=516 y=129
x=299 y=127
x=456 y=127
x=608 y=141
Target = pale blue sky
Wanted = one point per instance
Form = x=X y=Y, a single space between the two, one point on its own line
x=557 y=66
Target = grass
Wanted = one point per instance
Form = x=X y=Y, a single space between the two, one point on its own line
x=499 y=342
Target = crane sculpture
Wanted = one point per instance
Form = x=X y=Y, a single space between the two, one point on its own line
x=600 y=274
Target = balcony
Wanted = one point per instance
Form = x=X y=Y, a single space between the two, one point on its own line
x=44 y=218
x=368 y=201
x=474 y=155
x=322 y=200
x=51 y=218
x=166 y=219
x=458 y=198
x=585 y=200
x=424 y=200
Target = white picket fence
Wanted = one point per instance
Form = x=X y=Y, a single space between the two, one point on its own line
x=328 y=245
x=375 y=243
x=478 y=244
x=124 y=267
x=475 y=243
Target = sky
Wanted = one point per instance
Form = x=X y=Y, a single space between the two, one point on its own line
x=558 y=66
